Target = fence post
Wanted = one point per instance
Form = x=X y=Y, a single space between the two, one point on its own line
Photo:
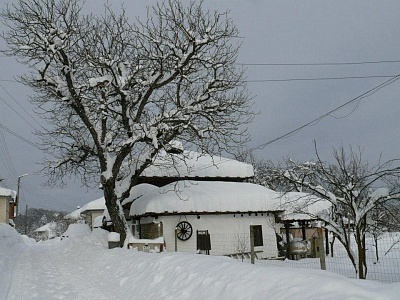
x=252 y=244
x=321 y=249
x=176 y=239
x=287 y=225
x=326 y=241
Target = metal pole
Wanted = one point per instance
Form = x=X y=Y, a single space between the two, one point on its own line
x=17 y=198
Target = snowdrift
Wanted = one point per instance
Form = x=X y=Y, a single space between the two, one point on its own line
x=82 y=267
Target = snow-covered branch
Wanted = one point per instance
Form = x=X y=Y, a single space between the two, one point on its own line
x=113 y=90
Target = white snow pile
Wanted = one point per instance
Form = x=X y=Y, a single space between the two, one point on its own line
x=211 y=196
x=138 y=191
x=193 y=164
x=82 y=267
x=11 y=246
x=76 y=230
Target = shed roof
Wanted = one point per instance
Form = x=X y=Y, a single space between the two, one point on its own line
x=98 y=204
x=302 y=206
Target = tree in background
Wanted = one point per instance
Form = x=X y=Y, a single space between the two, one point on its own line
x=382 y=220
x=355 y=191
x=266 y=172
x=116 y=93
x=37 y=217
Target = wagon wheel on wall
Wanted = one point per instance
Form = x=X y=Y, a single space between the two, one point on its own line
x=184 y=230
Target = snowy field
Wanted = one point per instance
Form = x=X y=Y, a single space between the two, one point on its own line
x=83 y=268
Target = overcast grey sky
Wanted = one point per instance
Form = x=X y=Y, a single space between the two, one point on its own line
x=274 y=32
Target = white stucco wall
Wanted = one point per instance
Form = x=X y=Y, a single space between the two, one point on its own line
x=91 y=216
x=226 y=231
x=4 y=210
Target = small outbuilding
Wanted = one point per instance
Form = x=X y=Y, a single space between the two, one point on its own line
x=300 y=222
x=92 y=210
x=7 y=198
x=46 y=232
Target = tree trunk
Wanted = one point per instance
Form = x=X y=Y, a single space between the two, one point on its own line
x=346 y=243
x=116 y=213
x=333 y=241
x=376 y=247
x=362 y=258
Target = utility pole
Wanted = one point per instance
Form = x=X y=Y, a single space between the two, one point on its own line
x=26 y=219
x=17 y=199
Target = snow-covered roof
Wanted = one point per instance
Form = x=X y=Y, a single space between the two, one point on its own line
x=138 y=191
x=205 y=197
x=47 y=227
x=7 y=192
x=190 y=164
x=76 y=214
x=302 y=206
x=98 y=204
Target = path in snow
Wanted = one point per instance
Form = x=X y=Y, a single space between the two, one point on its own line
x=42 y=273
x=83 y=268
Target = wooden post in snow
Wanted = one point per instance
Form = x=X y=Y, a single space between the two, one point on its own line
x=326 y=241
x=252 y=254
x=176 y=239
x=321 y=249
x=287 y=225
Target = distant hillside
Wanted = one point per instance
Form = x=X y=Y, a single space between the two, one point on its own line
x=37 y=217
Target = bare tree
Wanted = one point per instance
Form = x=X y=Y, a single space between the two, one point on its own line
x=266 y=172
x=242 y=243
x=115 y=92
x=353 y=188
x=382 y=220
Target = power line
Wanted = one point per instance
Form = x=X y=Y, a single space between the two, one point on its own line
x=295 y=79
x=6 y=157
x=313 y=122
x=8 y=163
x=29 y=123
x=316 y=120
x=42 y=196
x=20 y=137
x=306 y=64
x=321 y=64
x=319 y=78
x=15 y=100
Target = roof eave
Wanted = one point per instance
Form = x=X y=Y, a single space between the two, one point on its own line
x=171 y=213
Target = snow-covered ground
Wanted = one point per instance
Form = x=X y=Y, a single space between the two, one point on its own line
x=385 y=269
x=83 y=268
